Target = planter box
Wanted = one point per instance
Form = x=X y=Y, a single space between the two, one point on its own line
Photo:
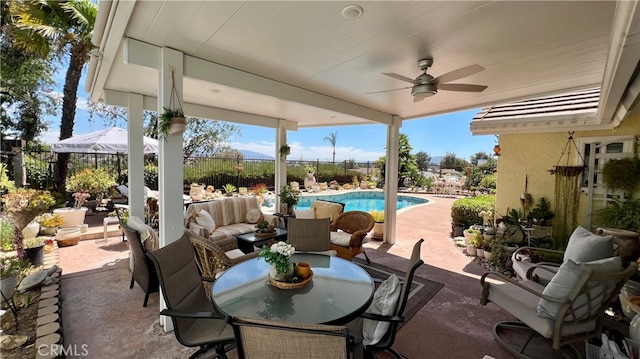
x=72 y=217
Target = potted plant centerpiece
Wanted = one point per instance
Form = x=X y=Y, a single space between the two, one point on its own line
x=290 y=197
x=378 y=227
x=279 y=256
x=171 y=122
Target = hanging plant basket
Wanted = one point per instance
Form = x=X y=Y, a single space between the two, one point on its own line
x=172 y=120
x=178 y=125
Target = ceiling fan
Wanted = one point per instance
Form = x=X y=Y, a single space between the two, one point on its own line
x=426 y=85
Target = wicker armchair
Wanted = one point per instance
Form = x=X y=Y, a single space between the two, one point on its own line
x=214 y=257
x=357 y=224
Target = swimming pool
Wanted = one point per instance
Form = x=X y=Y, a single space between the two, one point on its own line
x=361 y=201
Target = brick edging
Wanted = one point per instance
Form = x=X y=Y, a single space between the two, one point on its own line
x=49 y=322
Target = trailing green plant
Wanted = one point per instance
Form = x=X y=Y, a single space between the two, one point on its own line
x=95 y=181
x=285 y=150
x=466 y=211
x=33 y=242
x=622 y=174
x=165 y=118
x=619 y=214
x=378 y=216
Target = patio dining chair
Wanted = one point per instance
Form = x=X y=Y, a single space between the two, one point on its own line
x=144 y=273
x=569 y=309
x=310 y=235
x=259 y=338
x=378 y=325
x=195 y=322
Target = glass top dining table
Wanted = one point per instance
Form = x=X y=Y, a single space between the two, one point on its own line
x=338 y=292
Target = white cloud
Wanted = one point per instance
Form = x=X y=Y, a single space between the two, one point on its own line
x=50 y=136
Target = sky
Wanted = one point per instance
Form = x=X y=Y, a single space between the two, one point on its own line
x=435 y=135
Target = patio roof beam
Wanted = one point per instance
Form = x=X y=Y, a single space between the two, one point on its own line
x=144 y=54
x=150 y=103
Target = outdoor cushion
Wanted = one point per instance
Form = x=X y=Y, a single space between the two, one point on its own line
x=204 y=219
x=326 y=209
x=253 y=216
x=385 y=300
x=234 y=253
x=148 y=236
x=342 y=239
x=305 y=213
x=585 y=246
x=564 y=282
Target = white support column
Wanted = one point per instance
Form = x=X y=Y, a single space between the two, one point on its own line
x=281 y=162
x=170 y=162
x=391 y=181
x=135 y=130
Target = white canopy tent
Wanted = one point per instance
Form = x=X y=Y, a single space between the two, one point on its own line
x=108 y=141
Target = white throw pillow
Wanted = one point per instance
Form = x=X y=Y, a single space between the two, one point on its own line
x=342 y=239
x=564 y=282
x=585 y=246
x=253 y=216
x=385 y=300
x=305 y=213
x=204 y=219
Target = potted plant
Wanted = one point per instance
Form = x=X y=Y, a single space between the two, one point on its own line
x=279 y=256
x=285 y=151
x=478 y=242
x=290 y=197
x=259 y=191
x=364 y=183
x=470 y=233
x=22 y=205
x=34 y=250
x=172 y=122
x=488 y=254
x=49 y=223
x=489 y=233
x=378 y=227
x=10 y=268
x=229 y=189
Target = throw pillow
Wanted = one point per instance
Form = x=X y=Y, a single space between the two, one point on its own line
x=305 y=213
x=204 y=219
x=342 y=239
x=385 y=300
x=253 y=216
x=585 y=246
x=561 y=285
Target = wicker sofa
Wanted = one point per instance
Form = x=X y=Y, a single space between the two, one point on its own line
x=228 y=213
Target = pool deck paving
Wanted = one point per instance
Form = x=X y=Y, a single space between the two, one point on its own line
x=100 y=311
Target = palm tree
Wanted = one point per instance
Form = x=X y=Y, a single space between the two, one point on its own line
x=332 y=138
x=53 y=27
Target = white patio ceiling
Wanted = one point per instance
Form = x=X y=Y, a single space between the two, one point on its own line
x=304 y=62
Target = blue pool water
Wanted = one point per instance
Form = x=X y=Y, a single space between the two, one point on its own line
x=361 y=201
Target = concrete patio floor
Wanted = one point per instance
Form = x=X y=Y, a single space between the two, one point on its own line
x=96 y=295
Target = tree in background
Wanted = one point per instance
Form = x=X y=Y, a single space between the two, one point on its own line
x=46 y=27
x=482 y=171
x=451 y=161
x=26 y=92
x=422 y=160
x=333 y=138
x=407 y=165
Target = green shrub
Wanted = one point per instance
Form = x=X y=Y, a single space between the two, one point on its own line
x=95 y=181
x=466 y=211
x=7 y=233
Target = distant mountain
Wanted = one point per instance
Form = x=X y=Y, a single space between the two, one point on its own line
x=256 y=155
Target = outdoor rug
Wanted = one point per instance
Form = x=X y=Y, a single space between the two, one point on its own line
x=422 y=289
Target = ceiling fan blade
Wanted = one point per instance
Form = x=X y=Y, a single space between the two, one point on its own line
x=375 y=92
x=459 y=73
x=418 y=98
x=399 y=77
x=462 y=87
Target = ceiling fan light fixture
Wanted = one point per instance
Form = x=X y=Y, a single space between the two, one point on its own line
x=425 y=90
x=352 y=12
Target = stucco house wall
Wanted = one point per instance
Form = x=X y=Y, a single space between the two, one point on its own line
x=531 y=155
